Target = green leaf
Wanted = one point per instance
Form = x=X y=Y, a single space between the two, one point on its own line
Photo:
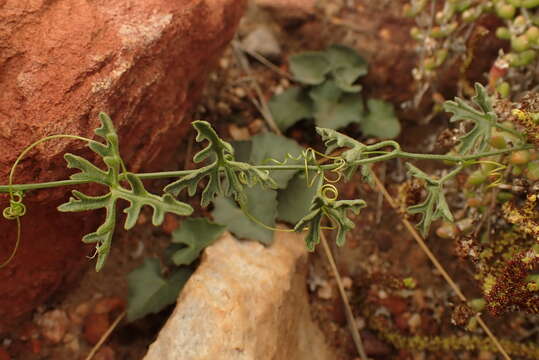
x=334 y=109
x=195 y=234
x=135 y=194
x=223 y=173
x=150 y=292
x=336 y=211
x=261 y=204
x=309 y=67
x=482 y=116
x=268 y=146
x=295 y=200
x=381 y=120
x=346 y=67
x=434 y=206
x=290 y=106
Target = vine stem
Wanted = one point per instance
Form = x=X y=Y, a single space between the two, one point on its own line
x=411 y=229
x=347 y=308
x=173 y=174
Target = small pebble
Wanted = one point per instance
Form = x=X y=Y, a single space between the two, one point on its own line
x=95 y=325
x=53 y=325
x=325 y=291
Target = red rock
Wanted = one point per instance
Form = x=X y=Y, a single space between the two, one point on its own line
x=4 y=355
x=396 y=305
x=61 y=62
x=95 y=325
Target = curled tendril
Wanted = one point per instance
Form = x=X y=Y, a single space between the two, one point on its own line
x=16 y=208
x=14 y=211
x=496 y=173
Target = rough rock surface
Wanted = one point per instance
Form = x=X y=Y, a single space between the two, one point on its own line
x=61 y=62
x=244 y=302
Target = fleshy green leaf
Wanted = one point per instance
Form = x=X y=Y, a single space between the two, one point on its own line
x=195 y=234
x=268 y=146
x=434 y=206
x=336 y=211
x=380 y=120
x=334 y=109
x=150 y=292
x=225 y=176
x=290 y=106
x=309 y=67
x=482 y=116
x=295 y=200
x=346 y=67
x=261 y=204
x=135 y=194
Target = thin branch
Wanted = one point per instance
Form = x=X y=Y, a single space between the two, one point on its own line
x=347 y=308
x=105 y=336
x=437 y=265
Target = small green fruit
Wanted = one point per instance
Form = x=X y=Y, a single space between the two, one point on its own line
x=533 y=34
x=516 y=171
x=521 y=157
x=525 y=58
x=498 y=142
x=505 y=11
x=528 y=4
x=532 y=172
x=520 y=43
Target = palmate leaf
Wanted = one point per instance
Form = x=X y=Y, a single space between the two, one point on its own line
x=225 y=176
x=434 y=206
x=135 y=194
x=150 y=292
x=336 y=211
x=192 y=237
x=482 y=116
x=334 y=108
x=261 y=205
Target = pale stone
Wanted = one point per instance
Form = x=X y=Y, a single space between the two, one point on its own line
x=245 y=302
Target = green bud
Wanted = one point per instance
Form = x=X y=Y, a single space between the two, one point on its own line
x=477 y=304
x=440 y=55
x=524 y=58
x=504 y=89
x=504 y=196
x=529 y=4
x=516 y=171
x=503 y=33
x=532 y=172
x=476 y=178
x=521 y=157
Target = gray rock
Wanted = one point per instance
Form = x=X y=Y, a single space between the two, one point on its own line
x=262 y=41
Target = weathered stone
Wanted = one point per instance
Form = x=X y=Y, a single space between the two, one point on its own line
x=245 y=301
x=61 y=62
